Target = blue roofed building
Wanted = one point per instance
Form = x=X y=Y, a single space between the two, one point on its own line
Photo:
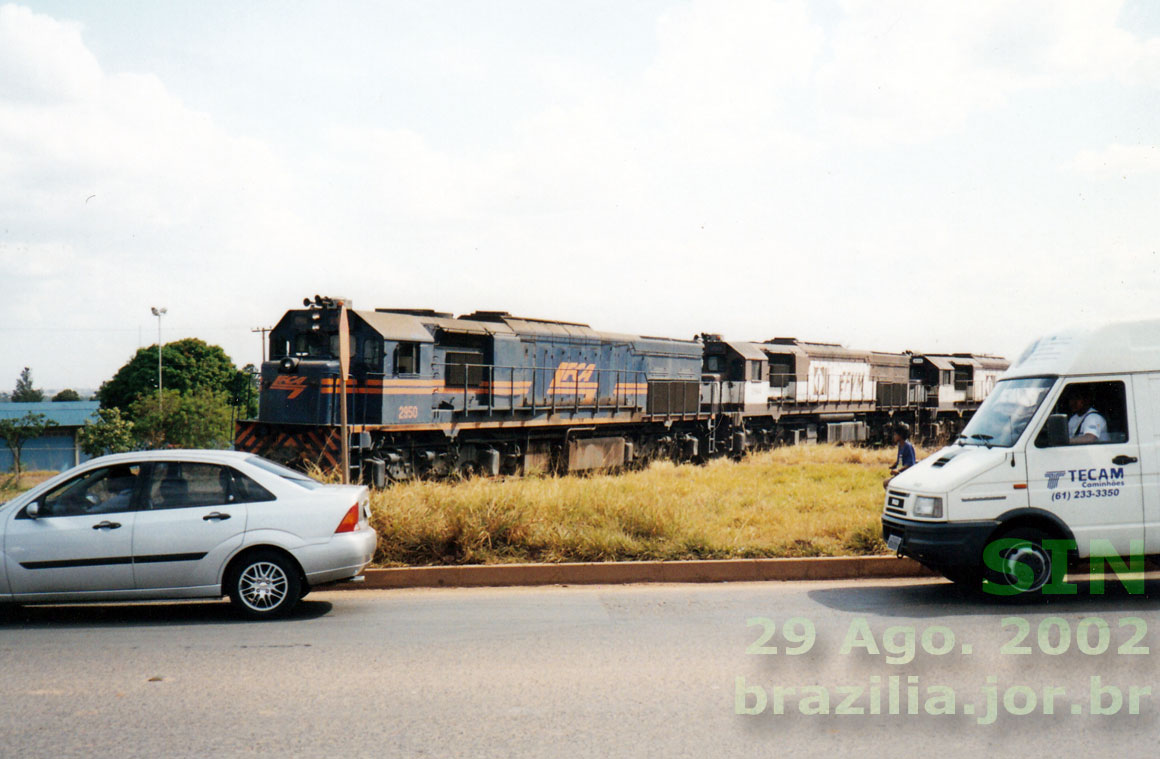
x=57 y=449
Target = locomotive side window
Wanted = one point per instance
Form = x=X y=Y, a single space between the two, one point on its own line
x=781 y=371
x=372 y=352
x=407 y=358
x=464 y=368
x=962 y=377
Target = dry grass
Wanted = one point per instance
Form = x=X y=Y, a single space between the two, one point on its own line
x=803 y=501
x=10 y=488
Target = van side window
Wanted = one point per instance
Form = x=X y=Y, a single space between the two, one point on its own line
x=1097 y=414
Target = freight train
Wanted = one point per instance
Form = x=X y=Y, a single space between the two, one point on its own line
x=429 y=394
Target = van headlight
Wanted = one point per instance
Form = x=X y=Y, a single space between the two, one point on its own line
x=926 y=506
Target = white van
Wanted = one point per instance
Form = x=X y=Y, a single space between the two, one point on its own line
x=1063 y=454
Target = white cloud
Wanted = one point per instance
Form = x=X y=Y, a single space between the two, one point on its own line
x=43 y=60
x=1118 y=161
x=712 y=186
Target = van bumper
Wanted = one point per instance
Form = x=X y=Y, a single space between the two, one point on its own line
x=948 y=548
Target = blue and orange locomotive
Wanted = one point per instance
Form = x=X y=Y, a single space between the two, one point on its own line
x=490 y=393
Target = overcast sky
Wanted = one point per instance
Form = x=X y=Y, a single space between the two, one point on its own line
x=888 y=175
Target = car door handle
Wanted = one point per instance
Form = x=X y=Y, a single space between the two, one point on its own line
x=106 y=525
x=216 y=515
x=1121 y=460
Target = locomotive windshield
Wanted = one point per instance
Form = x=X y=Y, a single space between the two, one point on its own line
x=1005 y=414
x=315 y=345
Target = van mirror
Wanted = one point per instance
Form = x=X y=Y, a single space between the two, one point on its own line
x=1057 y=430
x=33 y=510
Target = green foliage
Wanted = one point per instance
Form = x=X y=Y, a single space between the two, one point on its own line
x=17 y=432
x=188 y=365
x=244 y=392
x=111 y=433
x=25 y=391
x=195 y=419
x=66 y=395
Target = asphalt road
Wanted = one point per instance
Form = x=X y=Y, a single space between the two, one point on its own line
x=646 y=670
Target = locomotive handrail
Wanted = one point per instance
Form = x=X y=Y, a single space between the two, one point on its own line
x=553 y=392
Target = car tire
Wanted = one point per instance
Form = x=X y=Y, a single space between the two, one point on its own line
x=1030 y=552
x=264 y=585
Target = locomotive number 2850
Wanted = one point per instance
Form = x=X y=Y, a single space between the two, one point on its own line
x=408 y=412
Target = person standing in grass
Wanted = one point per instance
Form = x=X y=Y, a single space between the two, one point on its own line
x=906 y=457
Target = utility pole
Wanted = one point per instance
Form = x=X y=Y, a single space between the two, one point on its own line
x=159 y=312
x=343 y=371
x=263 y=330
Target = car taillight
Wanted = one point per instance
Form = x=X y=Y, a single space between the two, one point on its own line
x=349 y=522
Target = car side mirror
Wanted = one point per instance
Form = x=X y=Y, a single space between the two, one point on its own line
x=1057 y=430
x=33 y=510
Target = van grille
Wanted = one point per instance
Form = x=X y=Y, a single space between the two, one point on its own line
x=896 y=502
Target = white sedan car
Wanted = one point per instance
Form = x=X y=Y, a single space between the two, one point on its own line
x=183 y=524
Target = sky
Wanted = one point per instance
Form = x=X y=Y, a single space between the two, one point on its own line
x=888 y=175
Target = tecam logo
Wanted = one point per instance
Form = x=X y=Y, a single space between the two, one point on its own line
x=574 y=377
x=296 y=385
x=1095 y=477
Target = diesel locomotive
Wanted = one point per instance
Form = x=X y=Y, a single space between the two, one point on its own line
x=429 y=394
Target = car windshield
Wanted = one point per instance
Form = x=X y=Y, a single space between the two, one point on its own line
x=1005 y=414
x=286 y=473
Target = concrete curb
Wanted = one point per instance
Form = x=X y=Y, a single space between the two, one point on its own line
x=615 y=572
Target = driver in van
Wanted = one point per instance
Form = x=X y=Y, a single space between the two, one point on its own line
x=1086 y=425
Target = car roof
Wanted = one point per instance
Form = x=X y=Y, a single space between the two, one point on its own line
x=176 y=454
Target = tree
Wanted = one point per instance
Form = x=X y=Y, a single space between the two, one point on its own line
x=17 y=432
x=66 y=395
x=187 y=365
x=111 y=433
x=196 y=419
x=244 y=392
x=25 y=392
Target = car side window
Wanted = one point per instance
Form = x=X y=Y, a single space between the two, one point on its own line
x=182 y=484
x=1097 y=414
x=102 y=491
x=245 y=490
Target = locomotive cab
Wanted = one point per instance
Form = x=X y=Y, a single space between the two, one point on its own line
x=303 y=357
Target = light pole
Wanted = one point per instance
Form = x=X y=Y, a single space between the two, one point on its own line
x=158 y=312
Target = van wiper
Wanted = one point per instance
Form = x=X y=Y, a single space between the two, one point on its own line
x=985 y=438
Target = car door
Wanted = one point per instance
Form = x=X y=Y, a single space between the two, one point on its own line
x=187 y=527
x=80 y=538
x=1094 y=487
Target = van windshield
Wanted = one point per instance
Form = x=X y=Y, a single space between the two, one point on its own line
x=1005 y=414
